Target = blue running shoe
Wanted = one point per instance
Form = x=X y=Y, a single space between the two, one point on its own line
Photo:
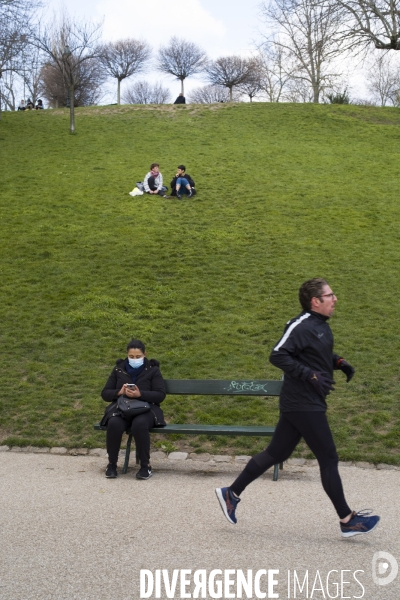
x=228 y=503
x=361 y=522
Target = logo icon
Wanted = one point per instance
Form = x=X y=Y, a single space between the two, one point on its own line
x=384 y=568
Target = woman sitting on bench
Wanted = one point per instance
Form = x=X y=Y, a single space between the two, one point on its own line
x=134 y=377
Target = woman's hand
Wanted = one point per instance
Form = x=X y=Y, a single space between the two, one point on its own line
x=132 y=393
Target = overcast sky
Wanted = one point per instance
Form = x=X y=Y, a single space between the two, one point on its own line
x=221 y=27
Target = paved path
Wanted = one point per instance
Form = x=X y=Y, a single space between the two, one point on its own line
x=68 y=533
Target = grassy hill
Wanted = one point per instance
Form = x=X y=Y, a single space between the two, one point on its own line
x=285 y=192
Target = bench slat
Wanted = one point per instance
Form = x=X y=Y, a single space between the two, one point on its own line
x=215 y=430
x=199 y=429
x=222 y=387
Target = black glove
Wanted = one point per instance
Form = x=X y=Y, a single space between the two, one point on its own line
x=347 y=369
x=322 y=383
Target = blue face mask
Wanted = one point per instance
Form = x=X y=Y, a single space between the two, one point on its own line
x=135 y=362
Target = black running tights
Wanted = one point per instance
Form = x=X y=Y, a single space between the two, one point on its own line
x=292 y=426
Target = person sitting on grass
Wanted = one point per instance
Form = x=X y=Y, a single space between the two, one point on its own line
x=134 y=377
x=153 y=182
x=182 y=183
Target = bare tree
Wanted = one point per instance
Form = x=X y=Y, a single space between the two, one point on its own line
x=87 y=91
x=124 y=58
x=276 y=72
x=8 y=91
x=371 y=22
x=383 y=80
x=251 y=88
x=396 y=99
x=228 y=71
x=138 y=93
x=141 y=92
x=253 y=85
x=210 y=94
x=181 y=59
x=15 y=22
x=161 y=95
x=68 y=44
x=298 y=90
x=29 y=69
x=53 y=86
x=307 y=34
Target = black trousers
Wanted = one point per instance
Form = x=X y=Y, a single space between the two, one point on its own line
x=292 y=426
x=139 y=426
x=153 y=187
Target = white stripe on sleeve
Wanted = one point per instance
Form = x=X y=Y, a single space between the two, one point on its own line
x=290 y=329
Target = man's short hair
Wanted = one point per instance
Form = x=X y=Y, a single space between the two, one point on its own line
x=182 y=167
x=312 y=288
x=153 y=165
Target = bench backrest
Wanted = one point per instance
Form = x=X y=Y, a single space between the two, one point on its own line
x=222 y=387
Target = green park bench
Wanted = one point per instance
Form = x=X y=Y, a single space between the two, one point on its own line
x=213 y=387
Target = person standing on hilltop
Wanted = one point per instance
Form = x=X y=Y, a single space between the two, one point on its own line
x=180 y=99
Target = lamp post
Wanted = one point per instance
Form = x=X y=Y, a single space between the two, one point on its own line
x=66 y=55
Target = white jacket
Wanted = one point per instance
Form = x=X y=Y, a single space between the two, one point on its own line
x=158 y=181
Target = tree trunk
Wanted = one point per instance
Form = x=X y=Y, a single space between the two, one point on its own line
x=119 y=91
x=71 y=110
x=230 y=94
x=182 y=86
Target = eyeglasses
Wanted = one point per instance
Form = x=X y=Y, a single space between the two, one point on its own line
x=331 y=295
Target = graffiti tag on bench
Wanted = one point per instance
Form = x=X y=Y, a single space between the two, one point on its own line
x=246 y=386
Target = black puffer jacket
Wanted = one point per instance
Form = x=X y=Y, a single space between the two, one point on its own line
x=150 y=383
x=190 y=181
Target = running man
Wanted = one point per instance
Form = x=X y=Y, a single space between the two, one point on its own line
x=305 y=355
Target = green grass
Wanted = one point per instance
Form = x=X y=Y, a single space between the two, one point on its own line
x=285 y=192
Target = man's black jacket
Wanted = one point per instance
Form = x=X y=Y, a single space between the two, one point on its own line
x=180 y=100
x=186 y=176
x=306 y=346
